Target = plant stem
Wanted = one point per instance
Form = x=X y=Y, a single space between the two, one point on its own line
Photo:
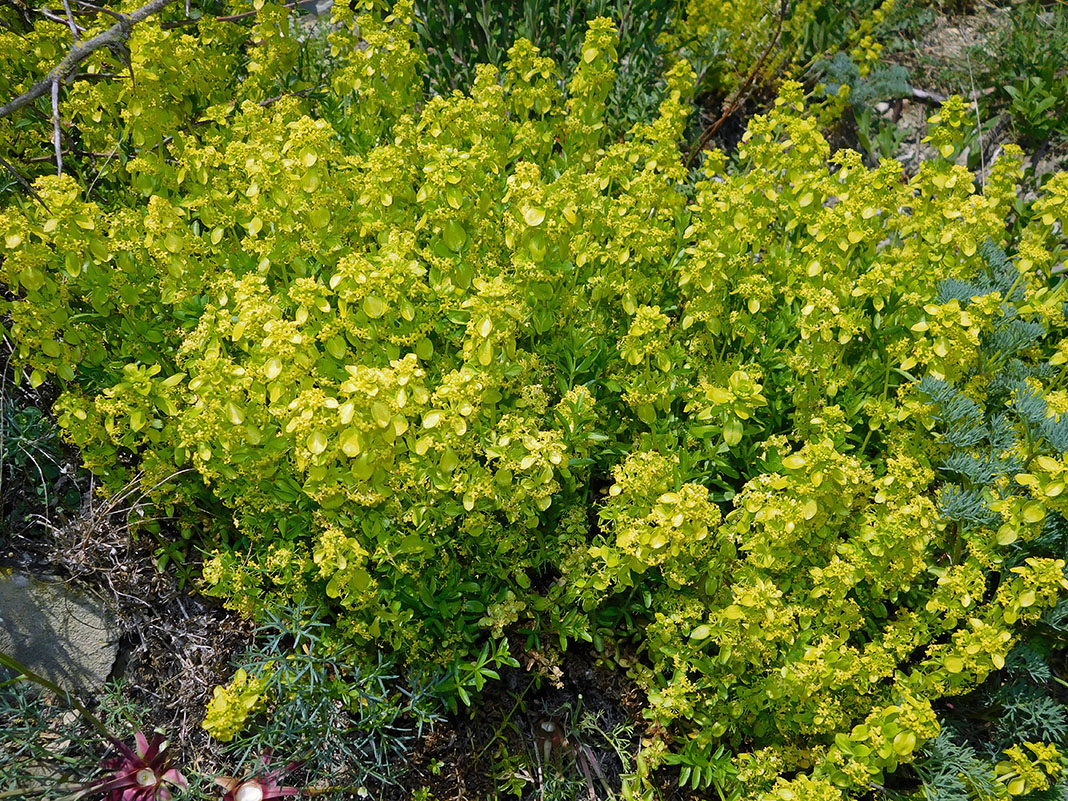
x=22 y=792
x=65 y=695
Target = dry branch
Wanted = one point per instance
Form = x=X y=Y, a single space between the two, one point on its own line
x=57 y=132
x=740 y=95
x=21 y=180
x=113 y=37
x=231 y=18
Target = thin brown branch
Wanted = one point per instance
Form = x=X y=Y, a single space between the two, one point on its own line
x=66 y=152
x=98 y=76
x=232 y=18
x=48 y=15
x=743 y=91
x=25 y=184
x=100 y=9
x=115 y=36
x=248 y=14
x=297 y=93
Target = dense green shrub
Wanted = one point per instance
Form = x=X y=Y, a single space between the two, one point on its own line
x=455 y=368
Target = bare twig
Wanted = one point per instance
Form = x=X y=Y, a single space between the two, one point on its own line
x=66 y=152
x=743 y=90
x=276 y=98
x=70 y=21
x=100 y=9
x=930 y=98
x=98 y=76
x=235 y=17
x=40 y=473
x=56 y=132
x=113 y=37
x=48 y=15
x=107 y=160
x=23 y=183
x=232 y=18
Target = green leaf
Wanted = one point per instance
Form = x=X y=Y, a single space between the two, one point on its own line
x=374 y=307
x=454 y=235
x=534 y=216
x=360 y=580
x=317 y=442
x=732 y=431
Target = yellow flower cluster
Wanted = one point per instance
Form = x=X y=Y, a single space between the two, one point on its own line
x=231 y=706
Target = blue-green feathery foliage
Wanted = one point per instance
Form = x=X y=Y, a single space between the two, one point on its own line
x=952 y=770
x=984 y=446
x=1018 y=704
x=966 y=506
x=883 y=82
x=983 y=441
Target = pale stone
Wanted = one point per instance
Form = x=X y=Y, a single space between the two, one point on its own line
x=61 y=634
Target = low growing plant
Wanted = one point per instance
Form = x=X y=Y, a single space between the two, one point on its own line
x=464 y=367
x=346 y=720
x=142 y=773
x=264 y=785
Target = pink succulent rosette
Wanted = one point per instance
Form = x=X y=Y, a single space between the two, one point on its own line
x=263 y=786
x=142 y=774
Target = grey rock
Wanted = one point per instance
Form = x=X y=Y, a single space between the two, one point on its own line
x=317 y=8
x=57 y=632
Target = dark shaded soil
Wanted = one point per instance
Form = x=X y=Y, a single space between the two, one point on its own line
x=526 y=733
x=174 y=646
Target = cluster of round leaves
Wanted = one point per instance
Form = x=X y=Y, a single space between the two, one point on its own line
x=458 y=366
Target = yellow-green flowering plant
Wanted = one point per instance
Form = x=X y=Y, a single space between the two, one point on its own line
x=231 y=706
x=140 y=92
x=454 y=368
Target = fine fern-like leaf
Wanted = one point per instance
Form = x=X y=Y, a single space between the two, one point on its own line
x=963 y=291
x=980 y=470
x=1031 y=717
x=966 y=506
x=952 y=771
